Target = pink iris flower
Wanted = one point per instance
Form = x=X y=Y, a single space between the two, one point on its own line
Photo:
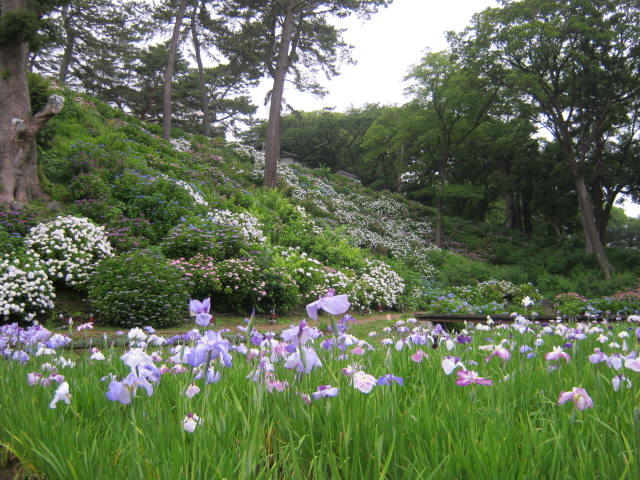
x=500 y=352
x=578 y=396
x=556 y=355
x=466 y=377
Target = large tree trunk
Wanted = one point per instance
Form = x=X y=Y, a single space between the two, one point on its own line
x=168 y=78
x=272 y=144
x=204 y=97
x=587 y=217
x=19 y=181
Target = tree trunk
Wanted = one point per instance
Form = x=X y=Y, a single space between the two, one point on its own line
x=272 y=144
x=69 y=47
x=19 y=181
x=587 y=217
x=168 y=78
x=204 y=97
x=440 y=200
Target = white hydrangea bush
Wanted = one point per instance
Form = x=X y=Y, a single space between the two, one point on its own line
x=247 y=225
x=379 y=284
x=25 y=289
x=312 y=277
x=68 y=247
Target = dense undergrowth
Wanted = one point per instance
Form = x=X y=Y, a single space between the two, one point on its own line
x=188 y=218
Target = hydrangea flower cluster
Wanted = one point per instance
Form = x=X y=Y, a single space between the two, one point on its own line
x=25 y=289
x=247 y=225
x=68 y=247
x=180 y=144
x=312 y=277
x=379 y=285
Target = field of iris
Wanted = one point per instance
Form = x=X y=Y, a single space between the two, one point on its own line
x=526 y=400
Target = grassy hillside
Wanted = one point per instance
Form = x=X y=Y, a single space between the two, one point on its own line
x=189 y=219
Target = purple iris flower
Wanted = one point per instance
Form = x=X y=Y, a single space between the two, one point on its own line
x=21 y=356
x=615 y=361
x=201 y=309
x=125 y=390
x=57 y=341
x=389 y=379
x=328 y=343
x=325 y=391
x=620 y=380
x=462 y=339
x=311 y=360
x=212 y=346
x=449 y=364
x=469 y=377
x=598 y=356
x=438 y=330
x=632 y=364
x=301 y=334
x=330 y=303
x=212 y=376
x=578 y=396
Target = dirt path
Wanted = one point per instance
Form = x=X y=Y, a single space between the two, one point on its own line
x=260 y=324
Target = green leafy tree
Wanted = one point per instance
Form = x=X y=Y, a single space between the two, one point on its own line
x=390 y=149
x=225 y=97
x=86 y=30
x=456 y=101
x=577 y=64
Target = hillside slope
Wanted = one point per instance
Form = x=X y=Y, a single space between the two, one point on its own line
x=196 y=205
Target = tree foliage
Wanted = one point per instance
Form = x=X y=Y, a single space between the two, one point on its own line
x=576 y=64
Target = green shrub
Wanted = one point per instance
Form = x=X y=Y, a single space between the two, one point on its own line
x=282 y=289
x=241 y=284
x=196 y=235
x=155 y=198
x=138 y=289
x=18 y=222
x=202 y=276
x=220 y=234
x=333 y=248
x=129 y=233
x=99 y=209
x=10 y=242
x=89 y=185
x=310 y=275
x=458 y=270
x=39 y=91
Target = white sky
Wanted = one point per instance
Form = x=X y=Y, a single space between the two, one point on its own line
x=385 y=47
